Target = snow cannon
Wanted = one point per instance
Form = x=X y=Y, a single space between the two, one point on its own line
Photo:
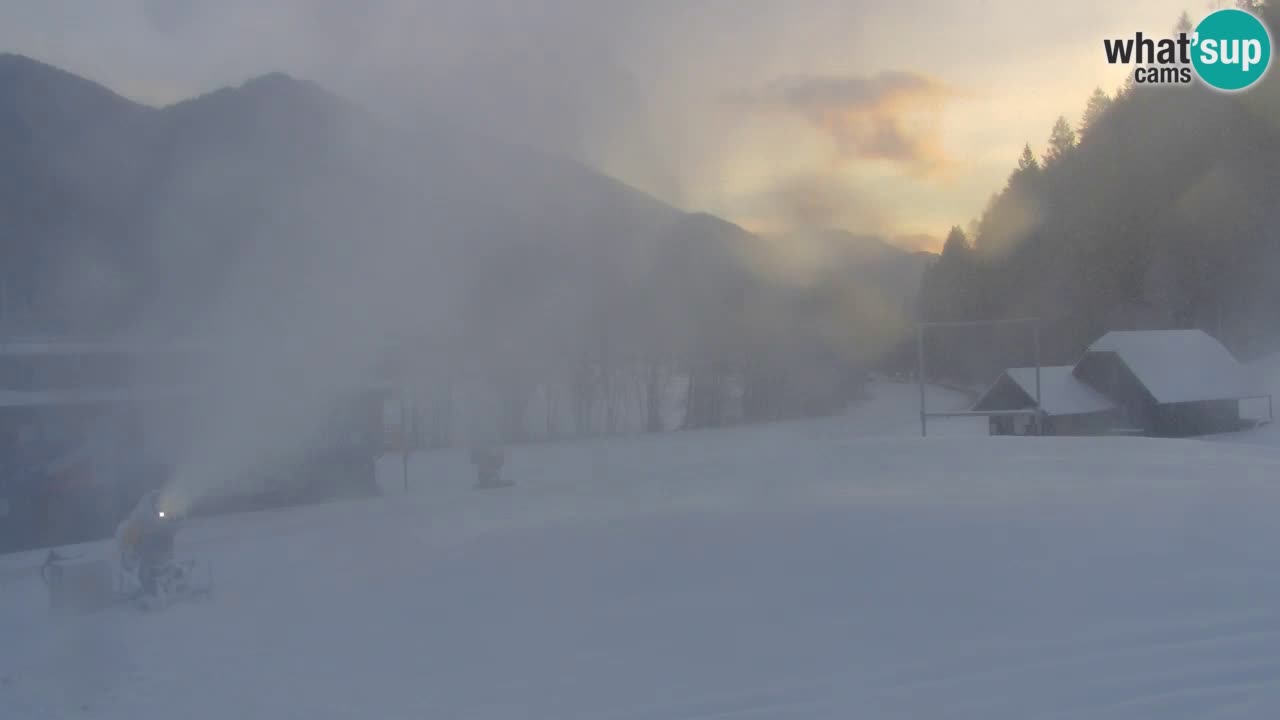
x=488 y=462
x=178 y=581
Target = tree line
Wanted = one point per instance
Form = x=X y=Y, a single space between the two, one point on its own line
x=1157 y=209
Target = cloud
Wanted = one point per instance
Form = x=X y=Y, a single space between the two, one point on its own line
x=853 y=93
x=893 y=116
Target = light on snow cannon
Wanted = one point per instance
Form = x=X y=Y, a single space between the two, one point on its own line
x=161 y=513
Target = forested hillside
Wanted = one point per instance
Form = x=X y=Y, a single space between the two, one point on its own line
x=1158 y=208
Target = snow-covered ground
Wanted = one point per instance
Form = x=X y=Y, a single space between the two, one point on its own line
x=839 y=568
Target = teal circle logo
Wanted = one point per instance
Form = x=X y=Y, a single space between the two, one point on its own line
x=1232 y=49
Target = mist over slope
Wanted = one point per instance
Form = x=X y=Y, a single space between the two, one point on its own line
x=890 y=272
x=301 y=235
x=168 y=200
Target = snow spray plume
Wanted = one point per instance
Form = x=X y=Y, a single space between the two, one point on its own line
x=351 y=235
x=868 y=284
x=341 y=258
x=314 y=236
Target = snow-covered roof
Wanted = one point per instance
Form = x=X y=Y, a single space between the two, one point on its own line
x=1181 y=365
x=1061 y=393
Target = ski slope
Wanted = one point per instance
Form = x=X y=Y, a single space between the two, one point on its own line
x=838 y=568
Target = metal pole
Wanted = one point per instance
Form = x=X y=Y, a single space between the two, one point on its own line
x=404 y=442
x=1039 y=408
x=924 y=430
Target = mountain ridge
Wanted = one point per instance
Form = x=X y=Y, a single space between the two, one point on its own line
x=187 y=217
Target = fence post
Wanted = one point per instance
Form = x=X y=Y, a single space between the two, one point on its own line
x=404 y=441
x=924 y=430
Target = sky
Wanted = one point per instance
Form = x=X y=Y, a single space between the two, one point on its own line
x=900 y=118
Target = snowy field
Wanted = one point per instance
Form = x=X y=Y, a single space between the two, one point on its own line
x=840 y=568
